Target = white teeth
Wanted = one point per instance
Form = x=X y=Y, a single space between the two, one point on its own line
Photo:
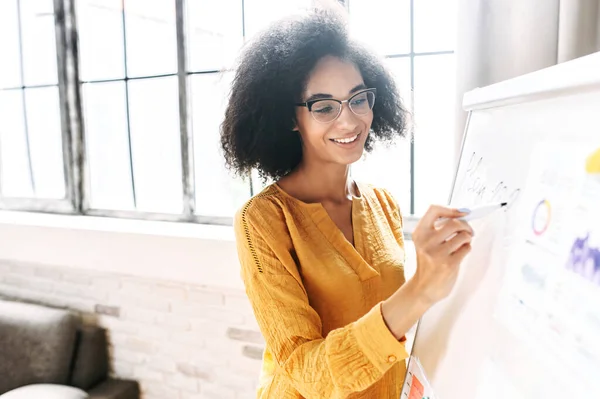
x=346 y=141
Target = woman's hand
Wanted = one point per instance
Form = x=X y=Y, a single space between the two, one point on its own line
x=440 y=248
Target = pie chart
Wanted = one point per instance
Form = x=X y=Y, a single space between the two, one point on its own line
x=541 y=217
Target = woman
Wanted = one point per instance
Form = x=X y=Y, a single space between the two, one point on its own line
x=322 y=256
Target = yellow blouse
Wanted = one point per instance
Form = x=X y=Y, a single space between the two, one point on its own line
x=317 y=298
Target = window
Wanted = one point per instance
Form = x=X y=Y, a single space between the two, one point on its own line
x=33 y=174
x=112 y=107
x=130 y=97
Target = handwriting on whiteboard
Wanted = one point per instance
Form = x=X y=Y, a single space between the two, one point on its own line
x=477 y=185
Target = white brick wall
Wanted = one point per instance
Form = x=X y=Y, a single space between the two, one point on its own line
x=180 y=341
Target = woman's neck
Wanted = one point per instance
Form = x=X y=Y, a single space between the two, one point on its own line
x=319 y=183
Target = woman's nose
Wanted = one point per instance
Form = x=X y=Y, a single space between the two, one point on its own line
x=347 y=118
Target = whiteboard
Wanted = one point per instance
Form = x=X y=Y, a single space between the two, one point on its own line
x=520 y=135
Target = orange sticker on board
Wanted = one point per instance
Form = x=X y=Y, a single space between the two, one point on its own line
x=416 y=389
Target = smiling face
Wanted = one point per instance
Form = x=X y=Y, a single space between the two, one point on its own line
x=341 y=141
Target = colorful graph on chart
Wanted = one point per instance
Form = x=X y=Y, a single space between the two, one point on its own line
x=542 y=214
x=584 y=259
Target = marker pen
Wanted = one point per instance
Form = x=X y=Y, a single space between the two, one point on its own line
x=476 y=212
x=481 y=211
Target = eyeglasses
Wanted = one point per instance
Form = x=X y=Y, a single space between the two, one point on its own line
x=329 y=109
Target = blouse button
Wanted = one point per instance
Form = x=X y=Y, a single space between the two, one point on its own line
x=391 y=359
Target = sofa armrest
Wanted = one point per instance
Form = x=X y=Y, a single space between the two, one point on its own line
x=115 y=389
x=90 y=364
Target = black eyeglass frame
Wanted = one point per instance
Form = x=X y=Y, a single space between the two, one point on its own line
x=309 y=104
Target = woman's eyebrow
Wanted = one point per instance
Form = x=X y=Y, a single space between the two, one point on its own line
x=320 y=96
x=357 y=88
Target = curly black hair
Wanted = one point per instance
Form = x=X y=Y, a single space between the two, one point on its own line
x=270 y=79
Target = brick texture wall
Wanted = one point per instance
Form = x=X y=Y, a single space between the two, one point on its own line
x=180 y=341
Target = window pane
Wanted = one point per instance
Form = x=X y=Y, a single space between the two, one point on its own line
x=400 y=69
x=389 y=166
x=434 y=130
x=217 y=193
x=45 y=141
x=100 y=28
x=151 y=37
x=260 y=13
x=435 y=25
x=156 y=144
x=10 y=75
x=107 y=146
x=39 y=42
x=15 y=178
x=382 y=24
x=214 y=33
x=258 y=184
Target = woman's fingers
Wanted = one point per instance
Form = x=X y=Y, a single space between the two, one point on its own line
x=455 y=244
x=452 y=227
x=460 y=254
x=441 y=246
x=436 y=212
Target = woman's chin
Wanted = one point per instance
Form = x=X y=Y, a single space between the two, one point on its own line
x=350 y=158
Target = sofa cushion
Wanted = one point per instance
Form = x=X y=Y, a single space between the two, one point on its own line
x=37 y=345
x=45 y=391
x=90 y=365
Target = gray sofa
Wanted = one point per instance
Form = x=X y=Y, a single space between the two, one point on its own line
x=46 y=354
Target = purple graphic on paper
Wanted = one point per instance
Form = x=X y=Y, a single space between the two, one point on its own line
x=585 y=259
